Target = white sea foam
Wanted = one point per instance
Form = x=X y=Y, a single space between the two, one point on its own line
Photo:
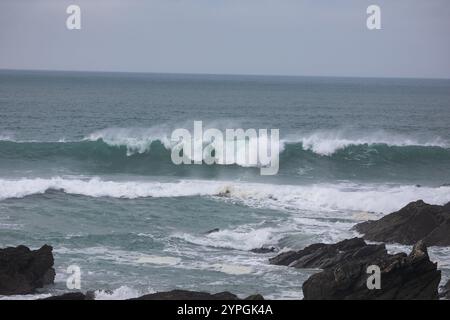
x=96 y=187
x=315 y=197
x=159 y=260
x=233 y=269
x=136 y=140
x=119 y=256
x=327 y=142
x=245 y=237
x=121 y=293
x=342 y=197
x=26 y=296
x=6 y=137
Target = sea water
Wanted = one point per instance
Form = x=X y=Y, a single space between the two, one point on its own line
x=85 y=166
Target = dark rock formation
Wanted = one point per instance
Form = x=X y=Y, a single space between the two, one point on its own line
x=264 y=250
x=417 y=221
x=212 y=231
x=320 y=255
x=445 y=291
x=255 y=297
x=169 y=295
x=402 y=276
x=194 y=295
x=73 y=296
x=22 y=270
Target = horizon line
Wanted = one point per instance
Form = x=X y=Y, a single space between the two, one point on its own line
x=226 y=74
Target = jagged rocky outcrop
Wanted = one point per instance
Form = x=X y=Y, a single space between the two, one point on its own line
x=194 y=295
x=22 y=270
x=416 y=221
x=322 y=256
x=345 y=264
x=403 y=277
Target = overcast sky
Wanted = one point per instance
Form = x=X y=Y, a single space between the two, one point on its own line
x=282 y=37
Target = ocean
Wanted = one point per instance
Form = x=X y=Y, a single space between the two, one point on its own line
x=85 y=166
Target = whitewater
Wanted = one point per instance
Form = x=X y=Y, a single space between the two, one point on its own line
x=344 y=196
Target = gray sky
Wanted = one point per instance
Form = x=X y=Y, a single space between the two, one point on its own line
x=284 y=37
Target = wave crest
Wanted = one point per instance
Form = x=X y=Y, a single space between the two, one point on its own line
x=329 y=142
x=136 y=140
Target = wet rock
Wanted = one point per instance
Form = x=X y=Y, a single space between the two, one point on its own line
x=320 y=255
x=73 y=296
x=22 y=270
x=416 y=221
x=402 y=276
x=255 y=297
x=212 y=231
x=169 y=295
x=193 y=295
x=226 y=193
x=263 y=250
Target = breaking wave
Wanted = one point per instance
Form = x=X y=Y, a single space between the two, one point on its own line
x=315 y=197
x=312 y=157
x=121 y=143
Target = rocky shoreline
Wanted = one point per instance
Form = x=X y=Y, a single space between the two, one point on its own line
x=414 y=222
x=167 y=295
x=343 y=266
x=344 y=271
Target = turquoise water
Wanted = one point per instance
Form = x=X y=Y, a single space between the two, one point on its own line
x=85 y=166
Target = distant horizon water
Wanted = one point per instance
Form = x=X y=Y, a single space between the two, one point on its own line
x=224 y=74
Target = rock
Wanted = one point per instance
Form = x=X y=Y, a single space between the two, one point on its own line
x=320 y=255
x=187 y=295
x=417 y=221
x=194 y=295
x=263 y=250
x=22 y=270
x=445 y=291
x=170 y=295
x=73 y=296
x=225 y=193
x=403 y=276
x=255 y=297
x=212 y=231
